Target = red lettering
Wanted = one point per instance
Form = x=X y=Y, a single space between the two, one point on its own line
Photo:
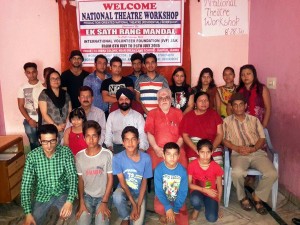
x=129 y=6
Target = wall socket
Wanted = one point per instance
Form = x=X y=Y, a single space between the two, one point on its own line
x=271 y=82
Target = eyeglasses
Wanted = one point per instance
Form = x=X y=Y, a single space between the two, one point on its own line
x=46 y=142
x=164 y=98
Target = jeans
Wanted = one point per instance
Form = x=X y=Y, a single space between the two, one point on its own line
x=198 y=200
x=32 y=135
x=92 y=204
x=40 y=209
x=123 y=206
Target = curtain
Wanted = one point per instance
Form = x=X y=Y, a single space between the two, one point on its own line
x=69 y=41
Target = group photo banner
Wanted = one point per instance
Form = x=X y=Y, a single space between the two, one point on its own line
x=121 y=28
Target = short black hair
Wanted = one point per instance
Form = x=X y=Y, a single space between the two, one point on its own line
x=131 y=129
x=115 y=59
x=77 y=112
x=91 y=124
x=204 y=143
x=150 y=55
x=100 y=57
x=136 y=56
x=47 y=129
x=47 y=71
x=30 y=64
x=171 y=145
x=85 y=88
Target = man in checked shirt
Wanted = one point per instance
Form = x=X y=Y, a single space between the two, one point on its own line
x=50 y=173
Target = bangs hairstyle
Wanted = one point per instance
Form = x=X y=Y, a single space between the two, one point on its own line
x=130 y=129
x=204 y=143
x=150 y=55
x=77 y=112
x=47 y=129
x=171 y=145
x=136 y=56
x=91 y=124
x=115 y=59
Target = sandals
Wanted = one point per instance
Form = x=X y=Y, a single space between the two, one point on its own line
x=260 y=208
x=246 y=205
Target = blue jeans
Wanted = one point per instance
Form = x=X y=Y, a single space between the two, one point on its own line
x=32 y=135
x=40 y=209
x=123 y=206
x=92 y=204
x=198 y=200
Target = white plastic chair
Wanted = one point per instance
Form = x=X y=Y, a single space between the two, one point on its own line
x=227 y=172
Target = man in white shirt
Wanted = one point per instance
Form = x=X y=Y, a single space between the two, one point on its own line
x=28 y=95
x=121 y=118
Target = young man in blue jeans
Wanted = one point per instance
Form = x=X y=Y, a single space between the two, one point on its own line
x=133 y=168
x=28 y=95
x=50 y=174
x=94 y=168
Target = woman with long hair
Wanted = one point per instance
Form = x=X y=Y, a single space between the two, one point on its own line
x=207 y=84
x=257 y=94
x=224 y=92
x=182 y=96
x=55 y=104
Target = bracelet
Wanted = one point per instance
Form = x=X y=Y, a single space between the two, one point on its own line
x=29 y=119
x=104 y=202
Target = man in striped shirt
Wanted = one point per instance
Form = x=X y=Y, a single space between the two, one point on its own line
x=51 y=175
x=147 y=85
x=244 y=134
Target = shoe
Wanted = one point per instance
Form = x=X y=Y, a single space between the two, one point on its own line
x=296 y=221
x=244 y=205
x=260 y=208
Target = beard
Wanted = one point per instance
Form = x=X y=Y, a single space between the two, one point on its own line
x=124 y=106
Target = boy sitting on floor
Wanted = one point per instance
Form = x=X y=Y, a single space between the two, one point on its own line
x=171 y=187
x=132 y=167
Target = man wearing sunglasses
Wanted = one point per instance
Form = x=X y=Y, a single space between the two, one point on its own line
x=50 y=174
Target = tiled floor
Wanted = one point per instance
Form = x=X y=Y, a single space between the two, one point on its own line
x=11 y=214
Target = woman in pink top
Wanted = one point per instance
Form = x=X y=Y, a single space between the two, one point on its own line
x=73 y=136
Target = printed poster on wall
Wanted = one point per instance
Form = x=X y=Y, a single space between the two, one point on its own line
x=121 y=28
x=224 y=17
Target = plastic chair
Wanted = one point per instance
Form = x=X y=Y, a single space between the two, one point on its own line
x=227 y=172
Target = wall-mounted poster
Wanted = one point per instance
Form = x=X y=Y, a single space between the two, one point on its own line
x=121 y=27
x=224 y=17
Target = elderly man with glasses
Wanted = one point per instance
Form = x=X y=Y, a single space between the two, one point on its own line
x=162 y=126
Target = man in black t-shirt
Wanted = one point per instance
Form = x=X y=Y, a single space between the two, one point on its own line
x=110 y=86
x=72 y=79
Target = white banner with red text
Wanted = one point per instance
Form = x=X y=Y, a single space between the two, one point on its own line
x=121 y=28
